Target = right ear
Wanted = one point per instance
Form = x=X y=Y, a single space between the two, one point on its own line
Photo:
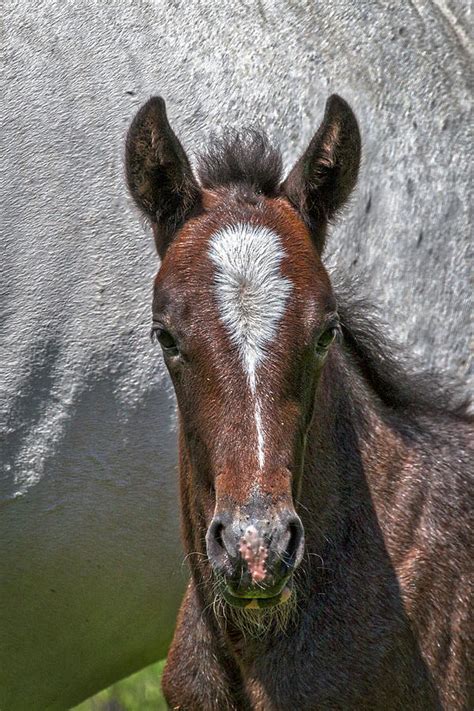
x=325 y=175
x=159 y=174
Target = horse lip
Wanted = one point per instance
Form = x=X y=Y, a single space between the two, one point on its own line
x=257 y=603
x=231 y=595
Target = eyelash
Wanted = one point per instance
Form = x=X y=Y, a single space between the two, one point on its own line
x=327 y=338
x=165 y=339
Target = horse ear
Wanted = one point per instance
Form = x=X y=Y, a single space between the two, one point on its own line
x=159 y=174
x=323 y=178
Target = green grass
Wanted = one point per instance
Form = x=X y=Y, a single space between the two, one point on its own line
x=139 y=692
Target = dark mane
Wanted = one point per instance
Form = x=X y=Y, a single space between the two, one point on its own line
x=241 y=158
x=399 y=384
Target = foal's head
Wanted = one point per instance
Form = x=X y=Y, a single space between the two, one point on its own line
x=245 y=315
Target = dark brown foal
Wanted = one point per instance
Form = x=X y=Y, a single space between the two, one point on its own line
x=324 y=489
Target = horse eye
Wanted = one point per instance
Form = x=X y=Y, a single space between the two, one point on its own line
x=165 y=339
x=327 y=337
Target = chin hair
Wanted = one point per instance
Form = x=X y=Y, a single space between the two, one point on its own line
x=257 y=623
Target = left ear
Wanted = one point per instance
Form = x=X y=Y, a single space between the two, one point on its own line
x=323 y=178
x=159 y=174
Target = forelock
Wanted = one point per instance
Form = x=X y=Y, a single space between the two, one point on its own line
x=241 y=158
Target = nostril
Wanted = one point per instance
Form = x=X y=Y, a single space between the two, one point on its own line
x=294 y=548
x=218 y=531
x=215 y=535
x=294 y=540
x=216 y=548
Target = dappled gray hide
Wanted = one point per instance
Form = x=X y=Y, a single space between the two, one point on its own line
x=90 y=562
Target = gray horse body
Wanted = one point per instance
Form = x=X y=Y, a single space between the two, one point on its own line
x=90 y=561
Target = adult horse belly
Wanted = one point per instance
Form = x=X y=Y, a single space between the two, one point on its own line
x=91 y=566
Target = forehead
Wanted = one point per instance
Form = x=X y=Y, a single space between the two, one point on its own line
x=256 y=257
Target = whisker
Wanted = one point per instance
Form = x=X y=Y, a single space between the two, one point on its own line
x=188 y=555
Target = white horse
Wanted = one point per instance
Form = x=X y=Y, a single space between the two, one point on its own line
x=90 y=560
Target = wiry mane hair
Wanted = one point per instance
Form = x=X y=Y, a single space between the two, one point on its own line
x=398 y=384
x=242 y=158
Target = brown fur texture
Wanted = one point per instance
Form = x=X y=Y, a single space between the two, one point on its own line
x=376 y=462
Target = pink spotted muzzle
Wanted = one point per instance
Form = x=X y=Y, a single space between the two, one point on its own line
x=255 y=555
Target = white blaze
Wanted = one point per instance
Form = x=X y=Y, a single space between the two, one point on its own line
x=252 y=294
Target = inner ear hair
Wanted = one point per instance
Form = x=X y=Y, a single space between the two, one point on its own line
x=323 y=178
x=158 y=172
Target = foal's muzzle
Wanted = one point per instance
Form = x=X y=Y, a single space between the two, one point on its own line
x=255 y=553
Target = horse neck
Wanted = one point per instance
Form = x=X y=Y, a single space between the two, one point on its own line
x=353 y=458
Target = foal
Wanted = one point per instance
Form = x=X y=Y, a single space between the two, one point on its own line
x=324 y=491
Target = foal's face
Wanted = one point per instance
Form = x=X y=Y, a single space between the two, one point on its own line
x=245 y=315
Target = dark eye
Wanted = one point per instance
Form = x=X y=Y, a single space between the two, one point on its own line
x=326 y=338
x=165 y=339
